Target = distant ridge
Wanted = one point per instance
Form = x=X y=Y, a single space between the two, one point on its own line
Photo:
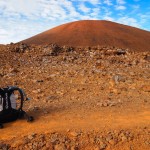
x=94 y=32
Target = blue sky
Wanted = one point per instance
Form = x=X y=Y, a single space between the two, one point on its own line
x=21 y=19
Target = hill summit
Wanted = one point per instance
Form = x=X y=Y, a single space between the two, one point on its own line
x=92 y=33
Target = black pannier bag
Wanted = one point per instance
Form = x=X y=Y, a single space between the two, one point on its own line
x=11 y=106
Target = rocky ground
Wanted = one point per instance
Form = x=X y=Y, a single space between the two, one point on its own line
x=82 y=98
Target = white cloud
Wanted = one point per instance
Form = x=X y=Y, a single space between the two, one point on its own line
x=108 y=2
x=120 y=2
x=108 y=18
x=107 y=11
x=15 y=30
x=14 y=7
x=95 y=12
x=128 y=21
x=107 y=14
x=24 y=18
x=120 y=7
x=3 y=34
x=144 y=18
x=83 y=8
x=35 y=9
x=135 y=7
x=93 y=2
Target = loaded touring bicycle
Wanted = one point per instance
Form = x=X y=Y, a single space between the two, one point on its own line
x=11 y=105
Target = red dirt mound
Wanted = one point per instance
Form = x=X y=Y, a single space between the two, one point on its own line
x=93 y=33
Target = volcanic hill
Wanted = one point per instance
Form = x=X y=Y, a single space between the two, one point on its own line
x=94 y=32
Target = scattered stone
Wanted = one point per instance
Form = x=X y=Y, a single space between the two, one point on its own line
x=51 y=98
x=113 y=142
x=102 y=146
x=109 y=137
x=31 y=136
x=147 y=142
x=74 y=148
x=107 y=103
x=97 y=148
x=39 y=81
x=74 y=134
x=19 y=47
x=123 y=137
x=4 y=146
x=120 y=52
x=146 y=88
x=147 y=58
x=36 y=108
x=60 y=147
x=37 y=91
x=118 y=78
x=54 y=139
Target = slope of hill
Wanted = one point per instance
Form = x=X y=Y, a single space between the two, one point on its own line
x=93 y=33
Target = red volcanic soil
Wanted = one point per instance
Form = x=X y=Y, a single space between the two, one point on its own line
x=93 y=33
